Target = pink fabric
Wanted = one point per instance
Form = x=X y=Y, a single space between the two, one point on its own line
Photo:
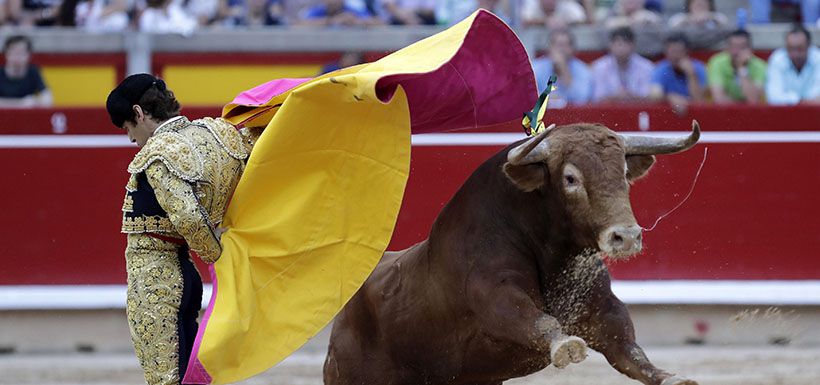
x=196 y=373
x=475 y=88
x=261 y=94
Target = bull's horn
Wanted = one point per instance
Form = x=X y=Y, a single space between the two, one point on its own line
x=644 y=145
x=531 y=151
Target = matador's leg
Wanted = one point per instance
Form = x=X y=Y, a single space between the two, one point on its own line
x=189 y=309
x=155 y=286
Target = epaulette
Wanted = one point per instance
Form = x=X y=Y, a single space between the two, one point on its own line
x=175 y=151
x=227 y=135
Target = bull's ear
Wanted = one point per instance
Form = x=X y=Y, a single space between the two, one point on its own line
x=637 y=166
x=527 y=177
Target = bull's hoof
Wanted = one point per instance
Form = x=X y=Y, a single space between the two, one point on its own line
x=675 y=380
x=568 y=350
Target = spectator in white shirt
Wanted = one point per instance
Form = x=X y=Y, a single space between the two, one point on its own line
x=553 y=14
x=632 y=13
x=166 y=16
x=793 y=74
x=102 y=15
x=700 y=14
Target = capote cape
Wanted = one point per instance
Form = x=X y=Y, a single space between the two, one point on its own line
x=316 y=206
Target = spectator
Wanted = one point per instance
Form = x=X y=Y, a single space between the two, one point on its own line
x=21 y=84
x=632 y=13
x=204 y=11
x=793 y=75
x=4 y=12
x=294 y=10
x=700 y=14
x=553 y=14
x=737 y=75
x=591 y=10
x=371 y=7
x=336 y=13
x=166 y=16
x=574 y=79
x=622 y=76
x=678 y=79
x=251 y=13
x=94 y=15
x=654 y=6
x=761 y=10
x=602 y=9
x=810 y=10
x=33 y=12
x=348 y=59
x=449 y=12
x=409 y=12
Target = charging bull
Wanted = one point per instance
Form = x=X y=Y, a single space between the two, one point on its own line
x=510 y=278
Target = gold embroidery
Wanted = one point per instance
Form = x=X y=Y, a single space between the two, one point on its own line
x=173 y=124
x=190 y=220
x=147 y=224
x=128 y=203
x=194 y=206
x=226 y=135
x=175 y=151
x=152 y=305
x=132 y=184
x=193 y=169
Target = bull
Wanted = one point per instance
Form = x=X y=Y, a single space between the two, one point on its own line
x=511 y=277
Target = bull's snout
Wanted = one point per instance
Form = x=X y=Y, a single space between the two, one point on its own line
x=621 y=241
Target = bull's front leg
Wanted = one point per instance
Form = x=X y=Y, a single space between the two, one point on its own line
x=609 y=331
x=509 y=314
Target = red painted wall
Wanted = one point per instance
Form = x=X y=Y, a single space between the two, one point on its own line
x=753 y=214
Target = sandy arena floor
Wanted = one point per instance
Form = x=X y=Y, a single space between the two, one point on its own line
x=708 y=364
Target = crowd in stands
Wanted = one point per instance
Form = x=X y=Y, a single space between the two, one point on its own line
x=184 y=16
x=791 y=75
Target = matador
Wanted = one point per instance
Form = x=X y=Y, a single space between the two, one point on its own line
x=179 y=186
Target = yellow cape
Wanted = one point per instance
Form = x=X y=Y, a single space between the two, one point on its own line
x=316 y=206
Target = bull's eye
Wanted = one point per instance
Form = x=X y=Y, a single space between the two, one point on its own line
x=573 y=180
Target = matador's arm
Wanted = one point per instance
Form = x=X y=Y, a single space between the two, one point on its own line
x=189 y=218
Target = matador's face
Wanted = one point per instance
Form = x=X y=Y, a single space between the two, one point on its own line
x=141 y=128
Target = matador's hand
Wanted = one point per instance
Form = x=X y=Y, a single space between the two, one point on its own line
x=219 y=231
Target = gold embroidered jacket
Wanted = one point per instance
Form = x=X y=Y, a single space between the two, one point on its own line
x=182 y=179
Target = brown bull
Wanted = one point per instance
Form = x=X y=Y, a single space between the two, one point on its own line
x=510 y=278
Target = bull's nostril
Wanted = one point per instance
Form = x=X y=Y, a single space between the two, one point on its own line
x=640 y=237
x=617 y=239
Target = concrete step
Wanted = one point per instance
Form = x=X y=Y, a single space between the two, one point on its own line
x=764 y=365
x=64 y=331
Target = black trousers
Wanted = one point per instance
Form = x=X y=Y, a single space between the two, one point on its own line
x=188 y=309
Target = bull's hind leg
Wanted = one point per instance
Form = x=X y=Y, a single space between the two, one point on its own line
x=610 y=331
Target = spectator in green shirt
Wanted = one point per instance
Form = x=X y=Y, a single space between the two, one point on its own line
x=737 y=75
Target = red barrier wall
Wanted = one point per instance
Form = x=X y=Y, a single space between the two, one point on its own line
x=753 y=213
